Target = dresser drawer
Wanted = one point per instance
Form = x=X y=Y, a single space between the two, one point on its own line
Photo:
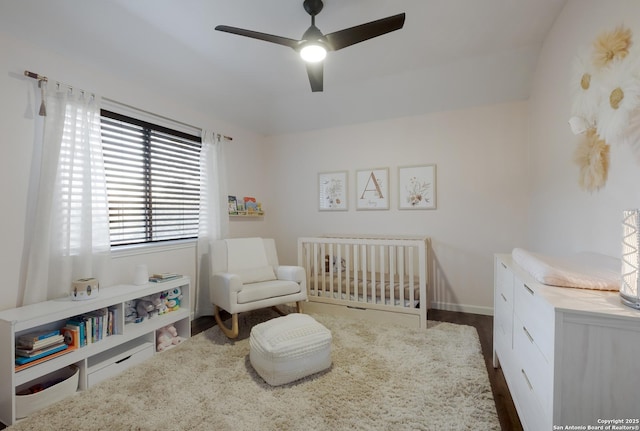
x=536 y=367
x=536 y=316
x=532 y=415
x=504 y=282
x=503 y=319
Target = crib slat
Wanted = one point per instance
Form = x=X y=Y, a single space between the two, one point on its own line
x=305 y=249
x=412 y=280
x=347 y=269
x=401 y=270
x=315 y=267
x=383 y=296
x=363 y=265
x=331 y=268
x=392 y=274
x=338 y=269
x=356 y=255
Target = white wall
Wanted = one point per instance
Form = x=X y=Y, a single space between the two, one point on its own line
x=480 y=155
x=18 y=108
x=563 y=218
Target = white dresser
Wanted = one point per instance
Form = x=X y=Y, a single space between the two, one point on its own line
x=571 y=357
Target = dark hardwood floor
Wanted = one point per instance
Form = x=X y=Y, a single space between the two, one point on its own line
x=507 y=414
x=484 y=325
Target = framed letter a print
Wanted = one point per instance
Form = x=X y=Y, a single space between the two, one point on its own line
x=372 y=189
x=332 y=191
x=417 y=187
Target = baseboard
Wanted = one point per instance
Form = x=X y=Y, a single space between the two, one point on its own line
x=463 y=308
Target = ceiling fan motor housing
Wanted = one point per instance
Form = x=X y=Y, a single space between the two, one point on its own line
x=313 y=7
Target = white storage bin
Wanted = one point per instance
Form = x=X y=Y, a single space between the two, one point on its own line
x=119 y=361
x=27 y=404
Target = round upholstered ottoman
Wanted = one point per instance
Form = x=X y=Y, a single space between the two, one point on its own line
x=289 y=348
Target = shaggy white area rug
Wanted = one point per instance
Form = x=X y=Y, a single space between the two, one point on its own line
x=383 y=377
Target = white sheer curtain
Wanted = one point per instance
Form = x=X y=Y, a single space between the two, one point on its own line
x=214 y=221
x=70 y=236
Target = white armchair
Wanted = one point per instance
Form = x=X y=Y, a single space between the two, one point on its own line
x=246 y=276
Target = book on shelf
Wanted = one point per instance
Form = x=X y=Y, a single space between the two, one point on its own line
x=36 y=336
x=43 y=359
x=30 y=353
x=233 y=205
x=165 y=276
x=28 y=343
x=83 y=326
x=21 y=360
x=93 y=326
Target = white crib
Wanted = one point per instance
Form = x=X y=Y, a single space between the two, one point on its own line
x=367 y=272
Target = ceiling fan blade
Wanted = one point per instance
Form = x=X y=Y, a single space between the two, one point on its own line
x=291 y=43
x=350 y=36
x=315 y=72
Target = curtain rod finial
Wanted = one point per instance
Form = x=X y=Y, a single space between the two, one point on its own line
x=35 y=76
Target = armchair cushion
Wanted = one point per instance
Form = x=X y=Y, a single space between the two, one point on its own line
x=266 y=289
x=255 y=275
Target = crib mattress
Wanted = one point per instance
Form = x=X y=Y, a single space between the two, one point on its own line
x=344 y=286
x=582 y=270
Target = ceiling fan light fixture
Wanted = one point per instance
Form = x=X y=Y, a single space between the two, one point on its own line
x=313 y=53
x=313 y=46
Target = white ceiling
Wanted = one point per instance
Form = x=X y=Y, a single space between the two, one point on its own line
x=450 y=54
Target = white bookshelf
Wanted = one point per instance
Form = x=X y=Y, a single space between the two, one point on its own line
x=130 y=339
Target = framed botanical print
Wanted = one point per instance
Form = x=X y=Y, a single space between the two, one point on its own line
x=372 y=189
x=417 y=187
x=332 y=191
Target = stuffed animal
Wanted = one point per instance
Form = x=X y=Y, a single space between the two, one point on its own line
x=158 y=302
x=173 y=299
x=130 y=312
x=167 y=336
x=144 y=307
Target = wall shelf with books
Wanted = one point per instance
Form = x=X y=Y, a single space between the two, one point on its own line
x=247 y=206
x=106 y=351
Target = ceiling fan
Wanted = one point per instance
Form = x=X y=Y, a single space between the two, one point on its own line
x=314 y=45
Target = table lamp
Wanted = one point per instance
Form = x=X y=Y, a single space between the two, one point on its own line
x=629 y=292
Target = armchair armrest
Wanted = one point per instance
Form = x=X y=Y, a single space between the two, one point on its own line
x=292 y=273
x=223 y=289
x=227 y=281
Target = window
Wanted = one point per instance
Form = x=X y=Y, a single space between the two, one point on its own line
x=153 y=180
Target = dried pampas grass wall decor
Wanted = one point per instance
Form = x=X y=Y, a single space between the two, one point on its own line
x=605 y=88
x=611 y=45
x=620 y=97
x=585 y=90
x=592 y=157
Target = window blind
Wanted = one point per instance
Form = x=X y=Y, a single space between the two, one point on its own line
x=153 y=180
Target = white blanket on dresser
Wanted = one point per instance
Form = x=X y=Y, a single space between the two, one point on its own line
x=582 y=270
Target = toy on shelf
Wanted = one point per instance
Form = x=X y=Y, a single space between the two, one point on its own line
x=144 y=308
x=130 y=312
x=173 y=299
x=167 y=337
x=147 y=307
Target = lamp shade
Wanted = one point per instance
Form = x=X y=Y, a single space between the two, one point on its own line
x=629 y=292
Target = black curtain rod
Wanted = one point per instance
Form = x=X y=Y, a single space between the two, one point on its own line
x=42 y=78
